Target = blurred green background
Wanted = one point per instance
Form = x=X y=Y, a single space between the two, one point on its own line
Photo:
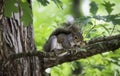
x=48 y=17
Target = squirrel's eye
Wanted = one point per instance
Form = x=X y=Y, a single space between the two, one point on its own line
x=76 y=37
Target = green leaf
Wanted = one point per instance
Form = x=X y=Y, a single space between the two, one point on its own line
x=99 y=67
x=108 y=6
x=115 y=19
x=44 y=2
x=83 y=20
x=76 y=67
x=10 y=7
x=27 y=14
x=93 y=8
x=58 y=3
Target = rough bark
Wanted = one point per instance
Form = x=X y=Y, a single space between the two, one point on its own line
x=14 y=39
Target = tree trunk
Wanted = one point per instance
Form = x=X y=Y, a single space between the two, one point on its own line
x=14 y=39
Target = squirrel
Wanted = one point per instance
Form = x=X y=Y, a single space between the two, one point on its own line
x=67 y=37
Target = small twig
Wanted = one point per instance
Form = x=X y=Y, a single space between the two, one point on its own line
x=90 y=30
x=112 y=30
x=105 y=29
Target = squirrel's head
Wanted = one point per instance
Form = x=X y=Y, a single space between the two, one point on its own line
x=78 y=36
x=78 y=39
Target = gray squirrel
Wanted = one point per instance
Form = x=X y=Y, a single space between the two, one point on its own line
x=68 y=37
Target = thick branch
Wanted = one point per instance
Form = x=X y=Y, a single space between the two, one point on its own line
x=100 y=45
x=94 y=46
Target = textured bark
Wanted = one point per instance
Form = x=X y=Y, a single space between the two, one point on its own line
x=14 y=39
x=17 y=39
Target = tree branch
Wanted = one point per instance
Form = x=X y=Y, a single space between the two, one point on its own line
x=94 y=46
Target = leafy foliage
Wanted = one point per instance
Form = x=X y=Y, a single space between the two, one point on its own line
x=115 y=19
x=108 y=6
x=27 y=13
x=7 y=7
x=93 y=8
x=57 y=2
x=46 y=2
x=26 y=16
